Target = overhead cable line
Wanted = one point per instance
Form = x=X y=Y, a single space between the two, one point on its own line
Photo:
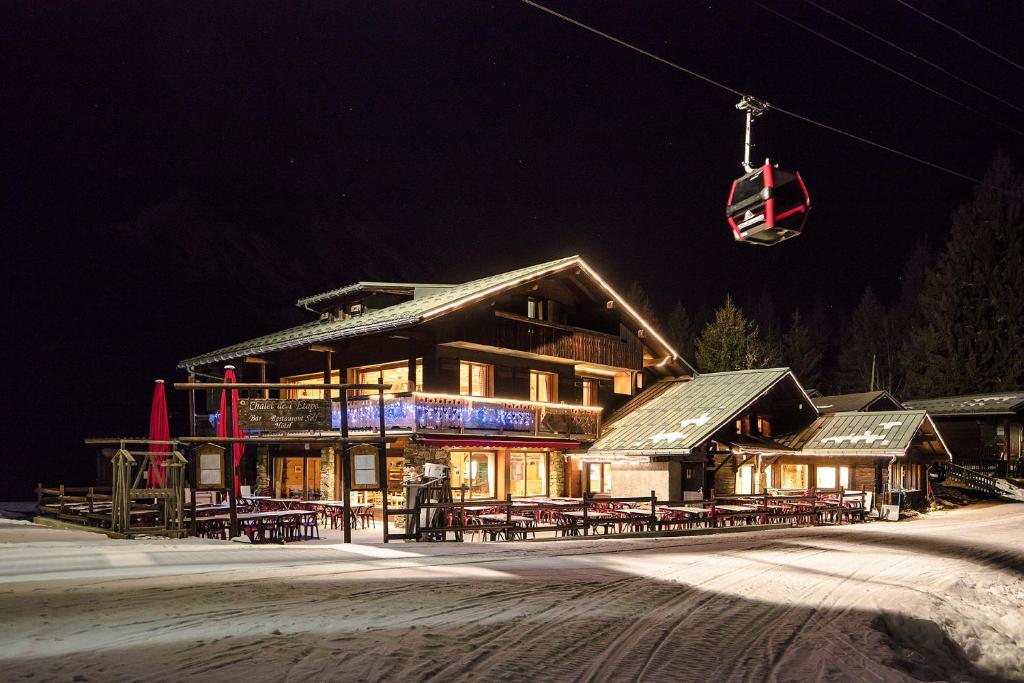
x=894 y=72
x=916 y=56
x=805 y=119
x=962 y=35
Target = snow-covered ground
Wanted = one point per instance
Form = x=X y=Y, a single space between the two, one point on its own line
x=937 y=598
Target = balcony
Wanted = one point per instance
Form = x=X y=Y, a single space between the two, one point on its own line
x=445 y=413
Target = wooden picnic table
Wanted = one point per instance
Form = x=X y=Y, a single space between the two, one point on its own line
x=736 y=508
x=686 y=509
x=495 y=517
x=590 y=514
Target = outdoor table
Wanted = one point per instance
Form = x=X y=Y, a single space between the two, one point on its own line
x=278 y=518
x=684 y=514
x=285 y=503
x=632 y=517
x=331 y=510
x=736 y=508
x=517 y=520
x=593 y=518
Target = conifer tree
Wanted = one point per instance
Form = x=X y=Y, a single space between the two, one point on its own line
x=869 y=343
x=639 y=300
x=729 y=342
x=971 y=334
x=802 y=352
x=681 y=330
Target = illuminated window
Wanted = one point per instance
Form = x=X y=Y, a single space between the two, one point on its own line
x=764 y=426
x=793 y=477
x=528 y=474
x=543 y=386
x=536 y=308
x=590 y=393
x=308 y=383
x=623 y=383
x=475 y=379
x=396 y=375
x=745 y=480
x=826 y=477
x=474 y=471
x=600 y=477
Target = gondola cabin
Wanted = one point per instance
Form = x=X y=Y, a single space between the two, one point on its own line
x=767 y=205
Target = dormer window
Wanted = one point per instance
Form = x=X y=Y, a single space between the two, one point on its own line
x=355 y=309
x=537 y=308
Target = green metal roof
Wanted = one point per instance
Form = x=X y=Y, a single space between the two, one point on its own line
x=842 y=403
x=885 y=433
x=995 y=403
x=685 y=413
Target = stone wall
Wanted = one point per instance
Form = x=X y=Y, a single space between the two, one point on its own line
x=263 y=483
x=556 y=473
x=327 y=470
x=417 y=454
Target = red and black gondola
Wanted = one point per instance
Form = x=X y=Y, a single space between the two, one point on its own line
x=768 y=205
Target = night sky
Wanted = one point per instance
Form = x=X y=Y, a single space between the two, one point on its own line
x=178 y=174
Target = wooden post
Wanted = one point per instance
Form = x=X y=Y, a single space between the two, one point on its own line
x=586 y=503
x=346 y=473
x=412 y=364
x=230 y=455
x=508 y=516
x=382 y=461
x=191 y=461
x=327 y=374
x=654 y=516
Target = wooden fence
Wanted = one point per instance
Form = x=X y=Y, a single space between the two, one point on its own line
x=504 y=519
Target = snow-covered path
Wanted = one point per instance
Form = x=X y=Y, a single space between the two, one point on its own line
x=939 y=598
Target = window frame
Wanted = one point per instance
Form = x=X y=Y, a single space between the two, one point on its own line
x=552 y=378
x=487 y=391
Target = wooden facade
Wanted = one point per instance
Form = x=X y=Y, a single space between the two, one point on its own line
x=555 y=350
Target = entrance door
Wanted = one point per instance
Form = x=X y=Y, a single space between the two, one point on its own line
x=693 y=480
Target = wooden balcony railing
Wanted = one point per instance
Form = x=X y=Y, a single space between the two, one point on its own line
x=422 y=412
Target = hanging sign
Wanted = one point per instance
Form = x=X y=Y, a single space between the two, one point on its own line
x=306 y=414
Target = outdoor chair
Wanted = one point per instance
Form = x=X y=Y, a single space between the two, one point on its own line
x=310 y=527
x=366 y=518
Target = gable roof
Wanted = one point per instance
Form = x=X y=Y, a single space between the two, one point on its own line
x=995 y=403
x=409 y=313
x=886 y=433
x=842 y=403
x=685 y=414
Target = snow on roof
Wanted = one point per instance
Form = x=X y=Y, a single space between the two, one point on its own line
x=685 y=414
x=415 y=311
x=973 y=404
x=885 y=433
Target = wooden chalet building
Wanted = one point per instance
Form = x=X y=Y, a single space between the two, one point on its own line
x=749 y=431
x=499 y=377
x=984 y=431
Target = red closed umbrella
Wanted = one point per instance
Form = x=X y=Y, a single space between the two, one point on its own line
x=237 y=449
x=159 y=430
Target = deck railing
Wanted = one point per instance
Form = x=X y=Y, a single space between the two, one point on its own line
x=591 y=515
x=418 y=411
